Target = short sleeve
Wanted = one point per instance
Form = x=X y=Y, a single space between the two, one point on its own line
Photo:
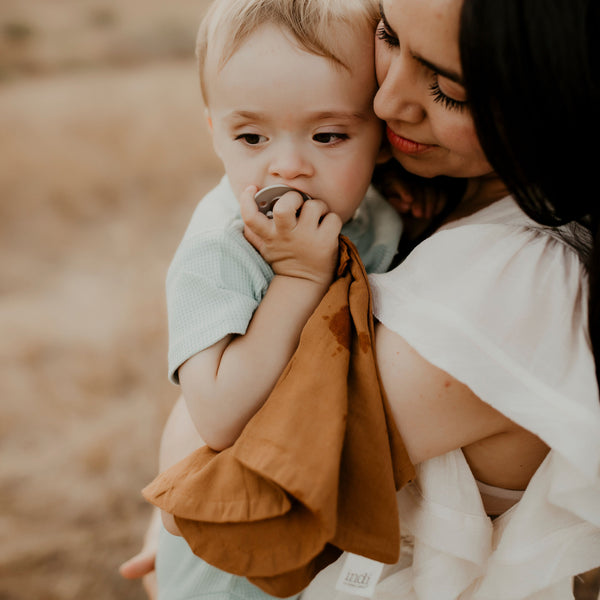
x=217 y=279
x=214 y=284
x=503 y=309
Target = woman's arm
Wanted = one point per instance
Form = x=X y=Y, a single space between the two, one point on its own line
x=179 y=438
x=436 y=413
x=142 y=565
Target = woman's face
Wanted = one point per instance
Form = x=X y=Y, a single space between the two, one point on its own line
x=421 y=96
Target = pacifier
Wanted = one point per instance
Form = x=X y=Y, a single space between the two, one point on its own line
x=266 y=198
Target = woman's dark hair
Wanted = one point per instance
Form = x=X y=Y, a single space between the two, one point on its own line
x=531 y=70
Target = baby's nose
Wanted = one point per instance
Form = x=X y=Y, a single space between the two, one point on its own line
x=289 y=163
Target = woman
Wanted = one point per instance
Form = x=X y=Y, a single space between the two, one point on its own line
x=484 y=331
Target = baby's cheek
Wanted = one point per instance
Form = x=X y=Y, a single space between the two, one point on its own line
x=352 y=195
x=240 y=182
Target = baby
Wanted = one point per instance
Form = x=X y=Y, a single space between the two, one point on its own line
x=288 y=87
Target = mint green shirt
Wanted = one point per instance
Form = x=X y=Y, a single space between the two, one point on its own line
x=217 y=279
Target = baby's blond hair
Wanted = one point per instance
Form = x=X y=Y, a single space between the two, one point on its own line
x=310 y=22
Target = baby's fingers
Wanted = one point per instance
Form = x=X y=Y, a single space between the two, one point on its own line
x=286 y=209
x=256 y=240
x=313 y=212
x=331 y=225
x=251 y=216
x=429 y=204
x=399 y=195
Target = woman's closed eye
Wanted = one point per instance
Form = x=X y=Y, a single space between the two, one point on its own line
x=252 y=139
x=391 y=40
x=329 y=137
x=443 y=99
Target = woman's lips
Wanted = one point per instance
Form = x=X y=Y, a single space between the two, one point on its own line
x=405 y=145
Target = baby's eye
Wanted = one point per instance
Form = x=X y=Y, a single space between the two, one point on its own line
x=252 y=139
x=329 y=138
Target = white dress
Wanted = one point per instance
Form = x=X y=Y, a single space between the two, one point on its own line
x=500 y=303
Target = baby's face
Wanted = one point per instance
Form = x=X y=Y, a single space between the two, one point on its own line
x=280 y=115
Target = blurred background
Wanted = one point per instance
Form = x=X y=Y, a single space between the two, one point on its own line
x=103 y=156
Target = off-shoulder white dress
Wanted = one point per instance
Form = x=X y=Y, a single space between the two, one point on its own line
x=500 y=303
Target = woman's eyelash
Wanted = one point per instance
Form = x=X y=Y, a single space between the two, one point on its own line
x=438 y=96
x=441 y=98
x=384 y=35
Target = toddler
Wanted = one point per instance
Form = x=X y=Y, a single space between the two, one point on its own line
x=288 y=87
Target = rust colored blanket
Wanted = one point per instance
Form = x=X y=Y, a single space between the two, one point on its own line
x=314 y=472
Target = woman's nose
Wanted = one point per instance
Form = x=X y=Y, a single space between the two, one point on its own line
x=289 y=162
x=399 y=95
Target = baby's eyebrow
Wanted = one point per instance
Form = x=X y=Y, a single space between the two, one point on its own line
x=314 y=116
x=246 y=115
x=338 y=114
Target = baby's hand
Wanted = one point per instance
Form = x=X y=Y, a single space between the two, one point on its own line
x=410 y=195
x=301 y=240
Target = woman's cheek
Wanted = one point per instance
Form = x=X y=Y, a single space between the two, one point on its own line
x=459 y=137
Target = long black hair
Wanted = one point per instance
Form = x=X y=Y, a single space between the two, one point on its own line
x=531 y=70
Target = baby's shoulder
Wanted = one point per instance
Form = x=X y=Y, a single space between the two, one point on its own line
x=217 y=211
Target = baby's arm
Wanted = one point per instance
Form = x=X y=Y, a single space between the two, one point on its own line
x=227 y=383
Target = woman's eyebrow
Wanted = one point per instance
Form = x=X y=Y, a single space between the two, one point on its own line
x=447 y=73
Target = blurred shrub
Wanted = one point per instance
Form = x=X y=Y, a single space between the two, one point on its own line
x=102 y=18
x=15 y=32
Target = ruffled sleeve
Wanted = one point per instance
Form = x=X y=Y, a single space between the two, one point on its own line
x=214 y=285
x=503 y=308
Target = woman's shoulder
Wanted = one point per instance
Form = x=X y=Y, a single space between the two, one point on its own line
x=491 y=271
x=500 y=303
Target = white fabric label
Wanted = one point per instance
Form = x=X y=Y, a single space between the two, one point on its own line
x=359 y=576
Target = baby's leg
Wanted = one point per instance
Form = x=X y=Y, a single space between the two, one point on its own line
x=182 y=575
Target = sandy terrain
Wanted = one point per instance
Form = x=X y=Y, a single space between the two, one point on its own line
x=103 y=160
x=104 y=155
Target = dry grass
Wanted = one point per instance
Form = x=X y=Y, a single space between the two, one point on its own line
x=98 y=180
x=100 y=171
x=41 y=37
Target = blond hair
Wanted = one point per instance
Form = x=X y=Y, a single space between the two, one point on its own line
x=228 y=23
